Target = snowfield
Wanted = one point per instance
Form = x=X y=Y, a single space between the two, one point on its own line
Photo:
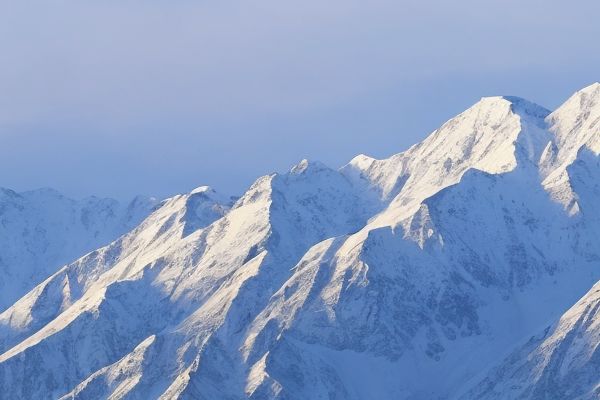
x=457 y=269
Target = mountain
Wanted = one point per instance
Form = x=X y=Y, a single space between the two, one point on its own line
x=413 y=277
x=40 y=230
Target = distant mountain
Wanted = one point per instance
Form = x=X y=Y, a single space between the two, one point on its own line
x=41 y=230
x=433 y=274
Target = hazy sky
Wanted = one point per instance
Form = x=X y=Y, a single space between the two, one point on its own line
x=156 y=97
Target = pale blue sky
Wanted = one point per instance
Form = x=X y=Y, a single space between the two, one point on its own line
x=156 y=97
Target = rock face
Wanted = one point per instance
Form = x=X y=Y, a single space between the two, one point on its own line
x=421 y=276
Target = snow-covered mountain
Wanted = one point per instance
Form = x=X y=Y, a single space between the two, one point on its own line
x=40 y=230
x=420 y=276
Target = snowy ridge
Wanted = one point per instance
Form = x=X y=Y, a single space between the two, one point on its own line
x=484 y=137
x=403 y=278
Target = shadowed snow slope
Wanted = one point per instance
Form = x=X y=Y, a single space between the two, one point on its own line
x=413 y=277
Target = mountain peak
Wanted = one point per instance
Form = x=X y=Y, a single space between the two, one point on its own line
x=202 y=189
x=484 y=137
x=594 y=88
x=362 y=161
x=307 y=166
x=574 y=123
x=517 y=105
x=583 y=99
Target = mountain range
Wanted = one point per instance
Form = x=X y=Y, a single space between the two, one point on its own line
x=465 y=267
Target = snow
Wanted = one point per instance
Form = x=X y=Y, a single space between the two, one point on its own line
x=40 y=230
x=559 y=361
x=440 y=272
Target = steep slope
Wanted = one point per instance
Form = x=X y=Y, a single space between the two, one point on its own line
x=401 y=278
x=561 y=362
x=41 y=230
x=575 y=127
